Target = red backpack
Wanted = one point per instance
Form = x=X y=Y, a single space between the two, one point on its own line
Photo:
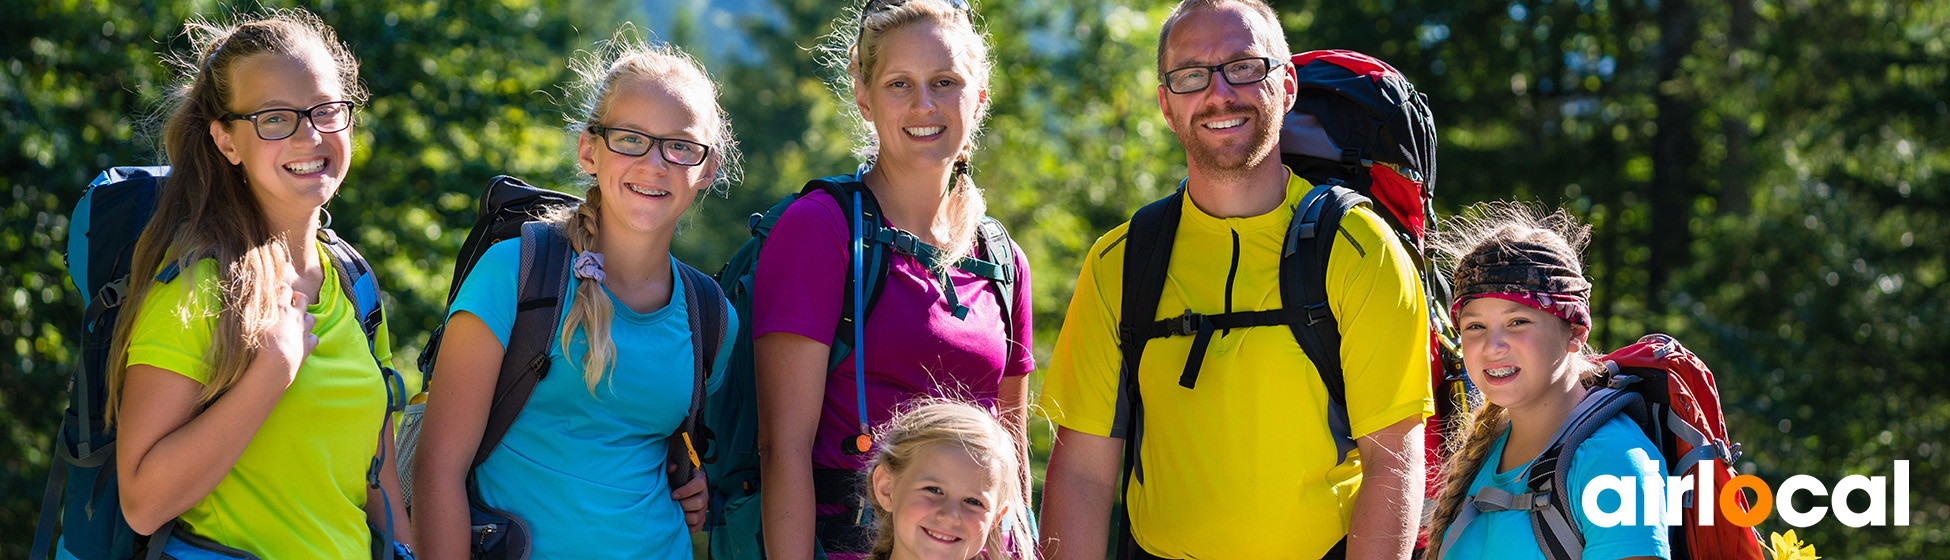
x=1358 y=123
x=1672 y=397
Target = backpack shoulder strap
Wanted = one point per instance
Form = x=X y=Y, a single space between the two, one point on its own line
x=1147 y=254
x=356 y=278
x=996 y=248
x=1303 y=287
x=707 y=313
x=1551 y=520
x=542 y=281
x=874 y=259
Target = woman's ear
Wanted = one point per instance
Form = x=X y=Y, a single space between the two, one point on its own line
x=220 y=135
x=860 y=102
x=1579 y=334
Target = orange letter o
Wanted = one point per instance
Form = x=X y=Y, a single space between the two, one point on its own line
x=1730 y=505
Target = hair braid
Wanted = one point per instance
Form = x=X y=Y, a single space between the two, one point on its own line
x=592 y=309
x=1464 y=458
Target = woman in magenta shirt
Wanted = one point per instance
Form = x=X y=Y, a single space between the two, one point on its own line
x=920 y=72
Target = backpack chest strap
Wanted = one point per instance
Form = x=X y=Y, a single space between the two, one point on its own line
x=1492 y=499
x=1201 y=326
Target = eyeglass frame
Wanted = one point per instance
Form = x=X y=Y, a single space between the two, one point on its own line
x=302 y=114
x=1219 y=70
x=656 y=144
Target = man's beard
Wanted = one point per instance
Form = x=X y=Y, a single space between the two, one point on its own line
x=1232 y=161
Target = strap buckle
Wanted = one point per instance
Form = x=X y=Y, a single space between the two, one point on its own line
x=905 y=243
x=1184 y=325
x=1318 y=312
x=113 y=294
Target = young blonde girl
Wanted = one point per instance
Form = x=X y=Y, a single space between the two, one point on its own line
x=247 y=398
x=584 y=464
x=1523 y=305
x=946 y=484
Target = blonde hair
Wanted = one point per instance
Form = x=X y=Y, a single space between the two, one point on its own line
x=1480 y=228
x=854 y=50
x=600 y=73
x=205 y=207
x=974 y=430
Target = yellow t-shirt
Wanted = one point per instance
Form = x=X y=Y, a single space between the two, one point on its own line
x=299 y=490
x=1243 y=466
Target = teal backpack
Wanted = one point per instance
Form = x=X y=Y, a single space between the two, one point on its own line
x=730 y=416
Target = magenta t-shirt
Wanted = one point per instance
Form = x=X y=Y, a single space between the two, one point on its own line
x=915 y=347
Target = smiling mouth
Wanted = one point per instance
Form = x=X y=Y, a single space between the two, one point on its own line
x=1501 y=372
x=645 y=191
x=924 y=131
x=1226 y=124
x=939 y=536
x=306 y=167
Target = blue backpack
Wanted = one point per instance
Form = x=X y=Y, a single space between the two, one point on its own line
x=731 y=417
x=81 y=486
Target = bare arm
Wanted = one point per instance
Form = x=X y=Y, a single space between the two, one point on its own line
x=169 y=456
x=1078 y=491
x=1387 y=510
x=467 y=368
x=791 y=385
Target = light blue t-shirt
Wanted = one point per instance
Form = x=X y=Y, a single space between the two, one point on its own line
x=586 y=472
x=1617 y=448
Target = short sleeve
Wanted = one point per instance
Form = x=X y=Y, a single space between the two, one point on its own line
x=1375 y=293
x=800 y=271
x=1619 y=449
x=173 y=327
x=1080 y=387
x=1022 y=352
x=489 y=291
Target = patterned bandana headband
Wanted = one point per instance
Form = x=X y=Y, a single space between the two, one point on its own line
x=1532 y=274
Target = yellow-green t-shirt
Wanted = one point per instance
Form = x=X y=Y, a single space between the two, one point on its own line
x=1243 y=465
x=299 y=490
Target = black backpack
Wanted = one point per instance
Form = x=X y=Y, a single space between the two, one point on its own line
x=82 y=487
x=732 y=413
x=510 y=209
x=1361 y=133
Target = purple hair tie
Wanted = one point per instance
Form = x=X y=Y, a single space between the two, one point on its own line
x=589 y=265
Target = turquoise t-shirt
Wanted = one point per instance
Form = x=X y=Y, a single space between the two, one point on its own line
x=587 y=471
x=1618 y=448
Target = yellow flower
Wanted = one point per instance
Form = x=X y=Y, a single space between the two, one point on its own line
x=1790 y=547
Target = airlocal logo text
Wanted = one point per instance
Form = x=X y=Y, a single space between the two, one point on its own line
x=1656 y=492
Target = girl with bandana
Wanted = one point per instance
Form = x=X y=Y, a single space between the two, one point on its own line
x=1523 y=305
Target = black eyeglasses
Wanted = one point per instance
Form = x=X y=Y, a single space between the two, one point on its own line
x=279 y=124
x=1245 y=71
x=635 y=144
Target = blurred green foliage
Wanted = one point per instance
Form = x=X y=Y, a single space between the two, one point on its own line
x=1761 y=176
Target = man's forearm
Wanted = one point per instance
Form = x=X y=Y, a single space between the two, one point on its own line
x=1388 y=507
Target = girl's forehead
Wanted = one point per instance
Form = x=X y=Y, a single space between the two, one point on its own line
x=273 y=79
x=659 y=105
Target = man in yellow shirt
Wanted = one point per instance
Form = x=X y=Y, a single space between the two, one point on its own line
x=1229 y=429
